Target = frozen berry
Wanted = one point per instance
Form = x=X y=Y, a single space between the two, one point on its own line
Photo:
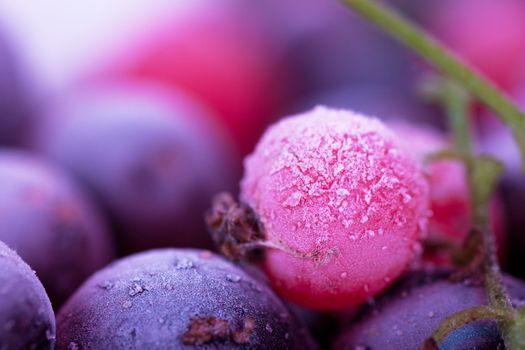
x=27 y=320
x=223 y=54
x=151 y=157
x=451 y=218
x=179 y=299
x=50 y=223
x=409 y=314
x=340 y=203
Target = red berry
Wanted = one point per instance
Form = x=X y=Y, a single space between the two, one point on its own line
x=449 y=194
x=341 y=203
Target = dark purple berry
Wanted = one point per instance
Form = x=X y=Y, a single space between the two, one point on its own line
x=408 y=315
x=329 y=47
x=17 y=100
x=152 y=158
x=178 y=299
x=27 y=320
x=49 y=221
x=395 y=105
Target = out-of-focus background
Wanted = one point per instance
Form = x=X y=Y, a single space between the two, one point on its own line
x=60 y=39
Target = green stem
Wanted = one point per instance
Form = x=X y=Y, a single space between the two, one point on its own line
x=481 y=180
x=497 y=293
x=397 y=26
x=457 y=104
x=517 y=339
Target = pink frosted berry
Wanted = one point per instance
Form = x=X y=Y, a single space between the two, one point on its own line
x=340 y=203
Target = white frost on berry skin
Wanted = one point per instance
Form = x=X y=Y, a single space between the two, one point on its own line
x=333 y=188
x=150 y=300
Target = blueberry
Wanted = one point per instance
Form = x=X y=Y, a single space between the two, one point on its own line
x=409 y=313
x=152 y=158
x=178 y=299
x=51 y=223
x=27 y=320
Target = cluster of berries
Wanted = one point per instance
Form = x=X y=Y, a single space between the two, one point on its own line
x=118 y=198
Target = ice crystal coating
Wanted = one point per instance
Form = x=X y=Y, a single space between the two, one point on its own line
x=337 y=196
x=177 y=299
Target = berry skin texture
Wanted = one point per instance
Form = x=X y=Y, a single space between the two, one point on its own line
x=27 y=320
x=152 y=158
x=177 y=299
x=51 y=223
x=449 y=194
x=408 y=314
x=341 y=203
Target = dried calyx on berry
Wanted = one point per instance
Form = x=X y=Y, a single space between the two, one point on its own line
x=235 y=228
